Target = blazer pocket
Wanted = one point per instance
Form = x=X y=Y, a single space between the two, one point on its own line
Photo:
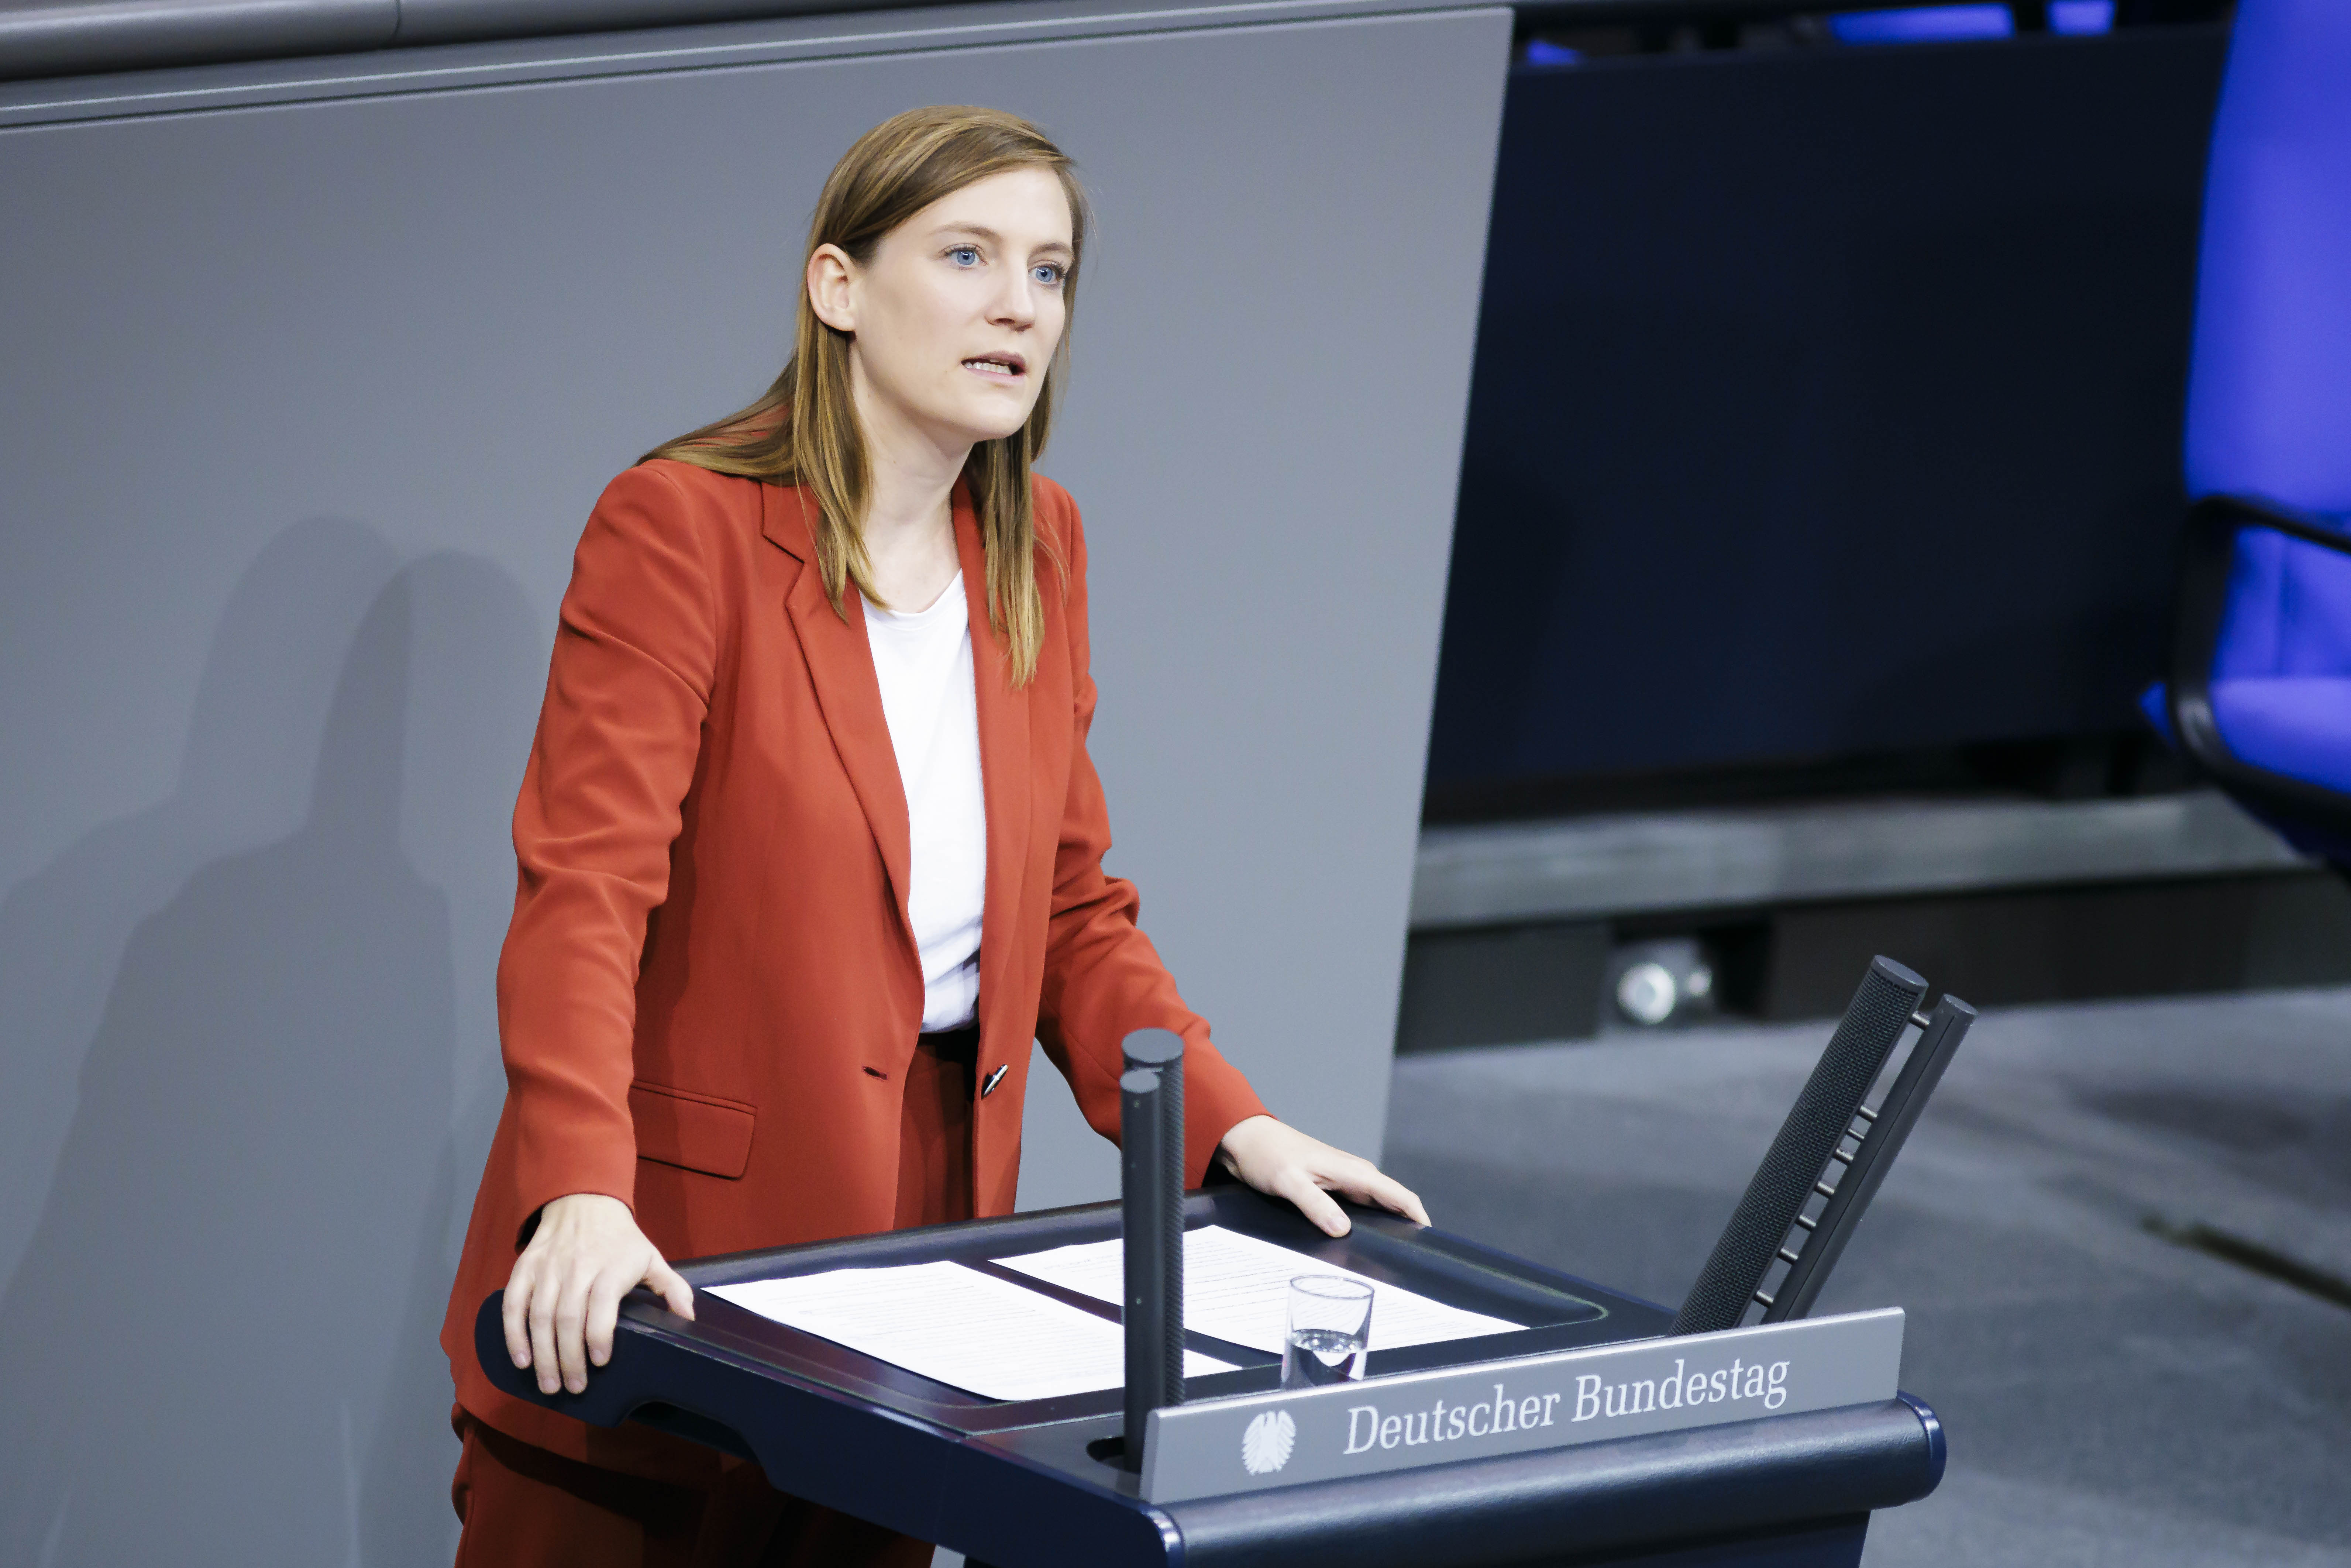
x=698 y=1131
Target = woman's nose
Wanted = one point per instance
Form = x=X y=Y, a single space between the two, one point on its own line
x=1016 y=303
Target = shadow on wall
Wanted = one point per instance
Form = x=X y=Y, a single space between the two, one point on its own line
x=217 y=1343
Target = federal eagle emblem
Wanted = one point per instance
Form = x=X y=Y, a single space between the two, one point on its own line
x=1265 y=1446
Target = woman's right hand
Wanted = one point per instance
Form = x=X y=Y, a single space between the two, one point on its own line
x=564 y=1295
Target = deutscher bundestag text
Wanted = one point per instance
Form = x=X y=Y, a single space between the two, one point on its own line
x=1595 y=1399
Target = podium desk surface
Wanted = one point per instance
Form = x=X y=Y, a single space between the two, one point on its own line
x=1026 y=1482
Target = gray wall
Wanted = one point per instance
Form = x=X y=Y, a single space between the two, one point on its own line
x=302 y=404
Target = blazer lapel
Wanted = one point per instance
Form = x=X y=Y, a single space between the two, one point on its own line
x=1004 y=762
x=840 y=666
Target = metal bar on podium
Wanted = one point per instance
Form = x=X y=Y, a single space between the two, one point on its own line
x=1151 y=1197
x=1161 y=1052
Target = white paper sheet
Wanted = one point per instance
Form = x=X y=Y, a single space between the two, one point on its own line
x=956 y=1325
x=1237 y=1288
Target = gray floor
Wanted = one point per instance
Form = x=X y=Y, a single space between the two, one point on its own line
x=2111 y=1396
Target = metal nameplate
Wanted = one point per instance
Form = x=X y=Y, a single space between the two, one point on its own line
x=1256 y=1441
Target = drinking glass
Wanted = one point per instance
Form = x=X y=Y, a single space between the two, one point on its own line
x=1330 y=1330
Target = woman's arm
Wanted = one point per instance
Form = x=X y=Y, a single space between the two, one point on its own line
x=619 y=736
x=1103 y=979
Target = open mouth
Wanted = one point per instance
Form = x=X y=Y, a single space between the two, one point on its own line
x=1009 y=366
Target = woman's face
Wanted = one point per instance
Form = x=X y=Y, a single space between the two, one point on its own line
x=958 y=312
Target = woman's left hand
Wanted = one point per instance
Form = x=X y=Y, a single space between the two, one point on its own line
x=1283 y=1162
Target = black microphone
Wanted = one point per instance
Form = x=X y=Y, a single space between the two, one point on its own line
x=1791 y=1171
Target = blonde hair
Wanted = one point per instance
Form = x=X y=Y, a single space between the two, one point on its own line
x=803 y=429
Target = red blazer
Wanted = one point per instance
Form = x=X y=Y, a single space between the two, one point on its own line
x=710 y=991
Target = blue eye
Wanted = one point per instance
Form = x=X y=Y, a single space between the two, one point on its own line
x=1047 y=272
x=964 y=255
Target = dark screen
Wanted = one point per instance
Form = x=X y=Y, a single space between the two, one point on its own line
x=1826 y=402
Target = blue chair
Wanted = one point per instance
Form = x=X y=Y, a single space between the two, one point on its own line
x=2259 y=689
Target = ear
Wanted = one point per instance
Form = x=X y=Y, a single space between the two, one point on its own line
x=832 y=288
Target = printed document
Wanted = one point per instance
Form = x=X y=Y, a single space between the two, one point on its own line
x=1237 y=1288
x=956 y=1326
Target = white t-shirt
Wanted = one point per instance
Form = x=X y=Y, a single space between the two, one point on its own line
x=924 y=663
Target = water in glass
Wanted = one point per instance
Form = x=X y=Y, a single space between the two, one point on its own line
x=1329 y=1331
x=1313 y=1357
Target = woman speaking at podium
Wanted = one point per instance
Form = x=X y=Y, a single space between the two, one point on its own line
x=810 y=850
